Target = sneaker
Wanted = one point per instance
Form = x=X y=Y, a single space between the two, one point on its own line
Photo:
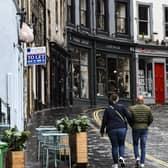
x=115 y=166
x=122 y=161
x=137 y=163
x=142 y=165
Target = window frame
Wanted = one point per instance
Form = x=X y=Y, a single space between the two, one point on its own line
x=127 y=16
x=105 y=16
x=149 y=21
x=87 y=14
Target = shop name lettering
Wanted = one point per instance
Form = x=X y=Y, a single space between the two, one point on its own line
x=113 y=46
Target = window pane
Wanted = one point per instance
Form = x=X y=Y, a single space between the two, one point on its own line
x=121 y=17
x=143 y=28
x=76 y=79
x=101 y=76
x=166 y=30
x=83 y=4
x=84 y=57
x=145 y=77
x=101 y=73
x=100 y=14
x=83 y=13
x=100 y=60
x=166 y=14
x=84 y=82
x=143 y=12
x=83 y=18
x=80 y=73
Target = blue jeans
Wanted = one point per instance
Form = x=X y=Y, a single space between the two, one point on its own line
x=140 y=135
x=117 y=138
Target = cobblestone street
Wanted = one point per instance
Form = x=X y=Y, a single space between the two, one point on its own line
x=99 y=148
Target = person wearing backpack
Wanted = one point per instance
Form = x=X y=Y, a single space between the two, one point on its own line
x=114 y=121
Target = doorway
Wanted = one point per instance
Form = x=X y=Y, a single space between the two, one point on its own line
x=159 y=83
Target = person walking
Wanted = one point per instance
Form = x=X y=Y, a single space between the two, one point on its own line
x=141 y=117
x=114 y=121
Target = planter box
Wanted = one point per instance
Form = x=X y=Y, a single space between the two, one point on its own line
x=15 y=159
x=79 y=147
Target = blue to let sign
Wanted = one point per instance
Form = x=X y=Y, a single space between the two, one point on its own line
x=38 y=59
x=36 y=56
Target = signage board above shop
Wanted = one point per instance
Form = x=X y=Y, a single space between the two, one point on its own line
x=35 y=56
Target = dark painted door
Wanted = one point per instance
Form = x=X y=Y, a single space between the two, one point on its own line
x=159 y=83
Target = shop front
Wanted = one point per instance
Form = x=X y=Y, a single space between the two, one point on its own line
x=151 y=73
x=99 y=68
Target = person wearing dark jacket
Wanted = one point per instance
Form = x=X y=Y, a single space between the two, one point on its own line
x=114 y=120
x=142 y=117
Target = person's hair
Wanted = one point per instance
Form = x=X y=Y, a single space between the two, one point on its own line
x=113 y=98
x=140 y=99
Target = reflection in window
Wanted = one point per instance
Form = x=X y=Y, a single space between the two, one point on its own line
x=80 y=73
x=121 y=14
x=84 y=12
x=101 y=14
x=113 y=75
x=123 y=77
x=101 y=73
x=145 y=78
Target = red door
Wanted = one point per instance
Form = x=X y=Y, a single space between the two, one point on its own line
x=159 y=83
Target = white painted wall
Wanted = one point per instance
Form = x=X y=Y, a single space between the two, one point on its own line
x=157 y=17
x=11 y=62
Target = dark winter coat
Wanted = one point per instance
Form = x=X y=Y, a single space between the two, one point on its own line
x=112 y=120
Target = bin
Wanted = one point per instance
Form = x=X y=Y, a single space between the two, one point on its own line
x=3 y=149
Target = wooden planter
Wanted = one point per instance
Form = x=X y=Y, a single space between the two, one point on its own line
x=15 y=159
x=79 y=148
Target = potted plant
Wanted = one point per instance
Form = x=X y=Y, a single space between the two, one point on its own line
x=15 y=140
x=77 y=128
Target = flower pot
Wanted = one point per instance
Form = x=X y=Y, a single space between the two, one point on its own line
x=79 y=148
x=15 y=159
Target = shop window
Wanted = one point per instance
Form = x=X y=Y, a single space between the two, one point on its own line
x=80 y=73
x=113 y=75
x=101 y=15
x=166 y=21
x=144 y=20
x=119 y=76
x=84 y=13
x=71 y=11
x=121 y=18
x=101 y=73
x=145 y=78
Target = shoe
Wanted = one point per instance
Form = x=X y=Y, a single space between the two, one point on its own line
x=115 y=166
x=137 y=163
x=122 y=161
x=142 y=165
